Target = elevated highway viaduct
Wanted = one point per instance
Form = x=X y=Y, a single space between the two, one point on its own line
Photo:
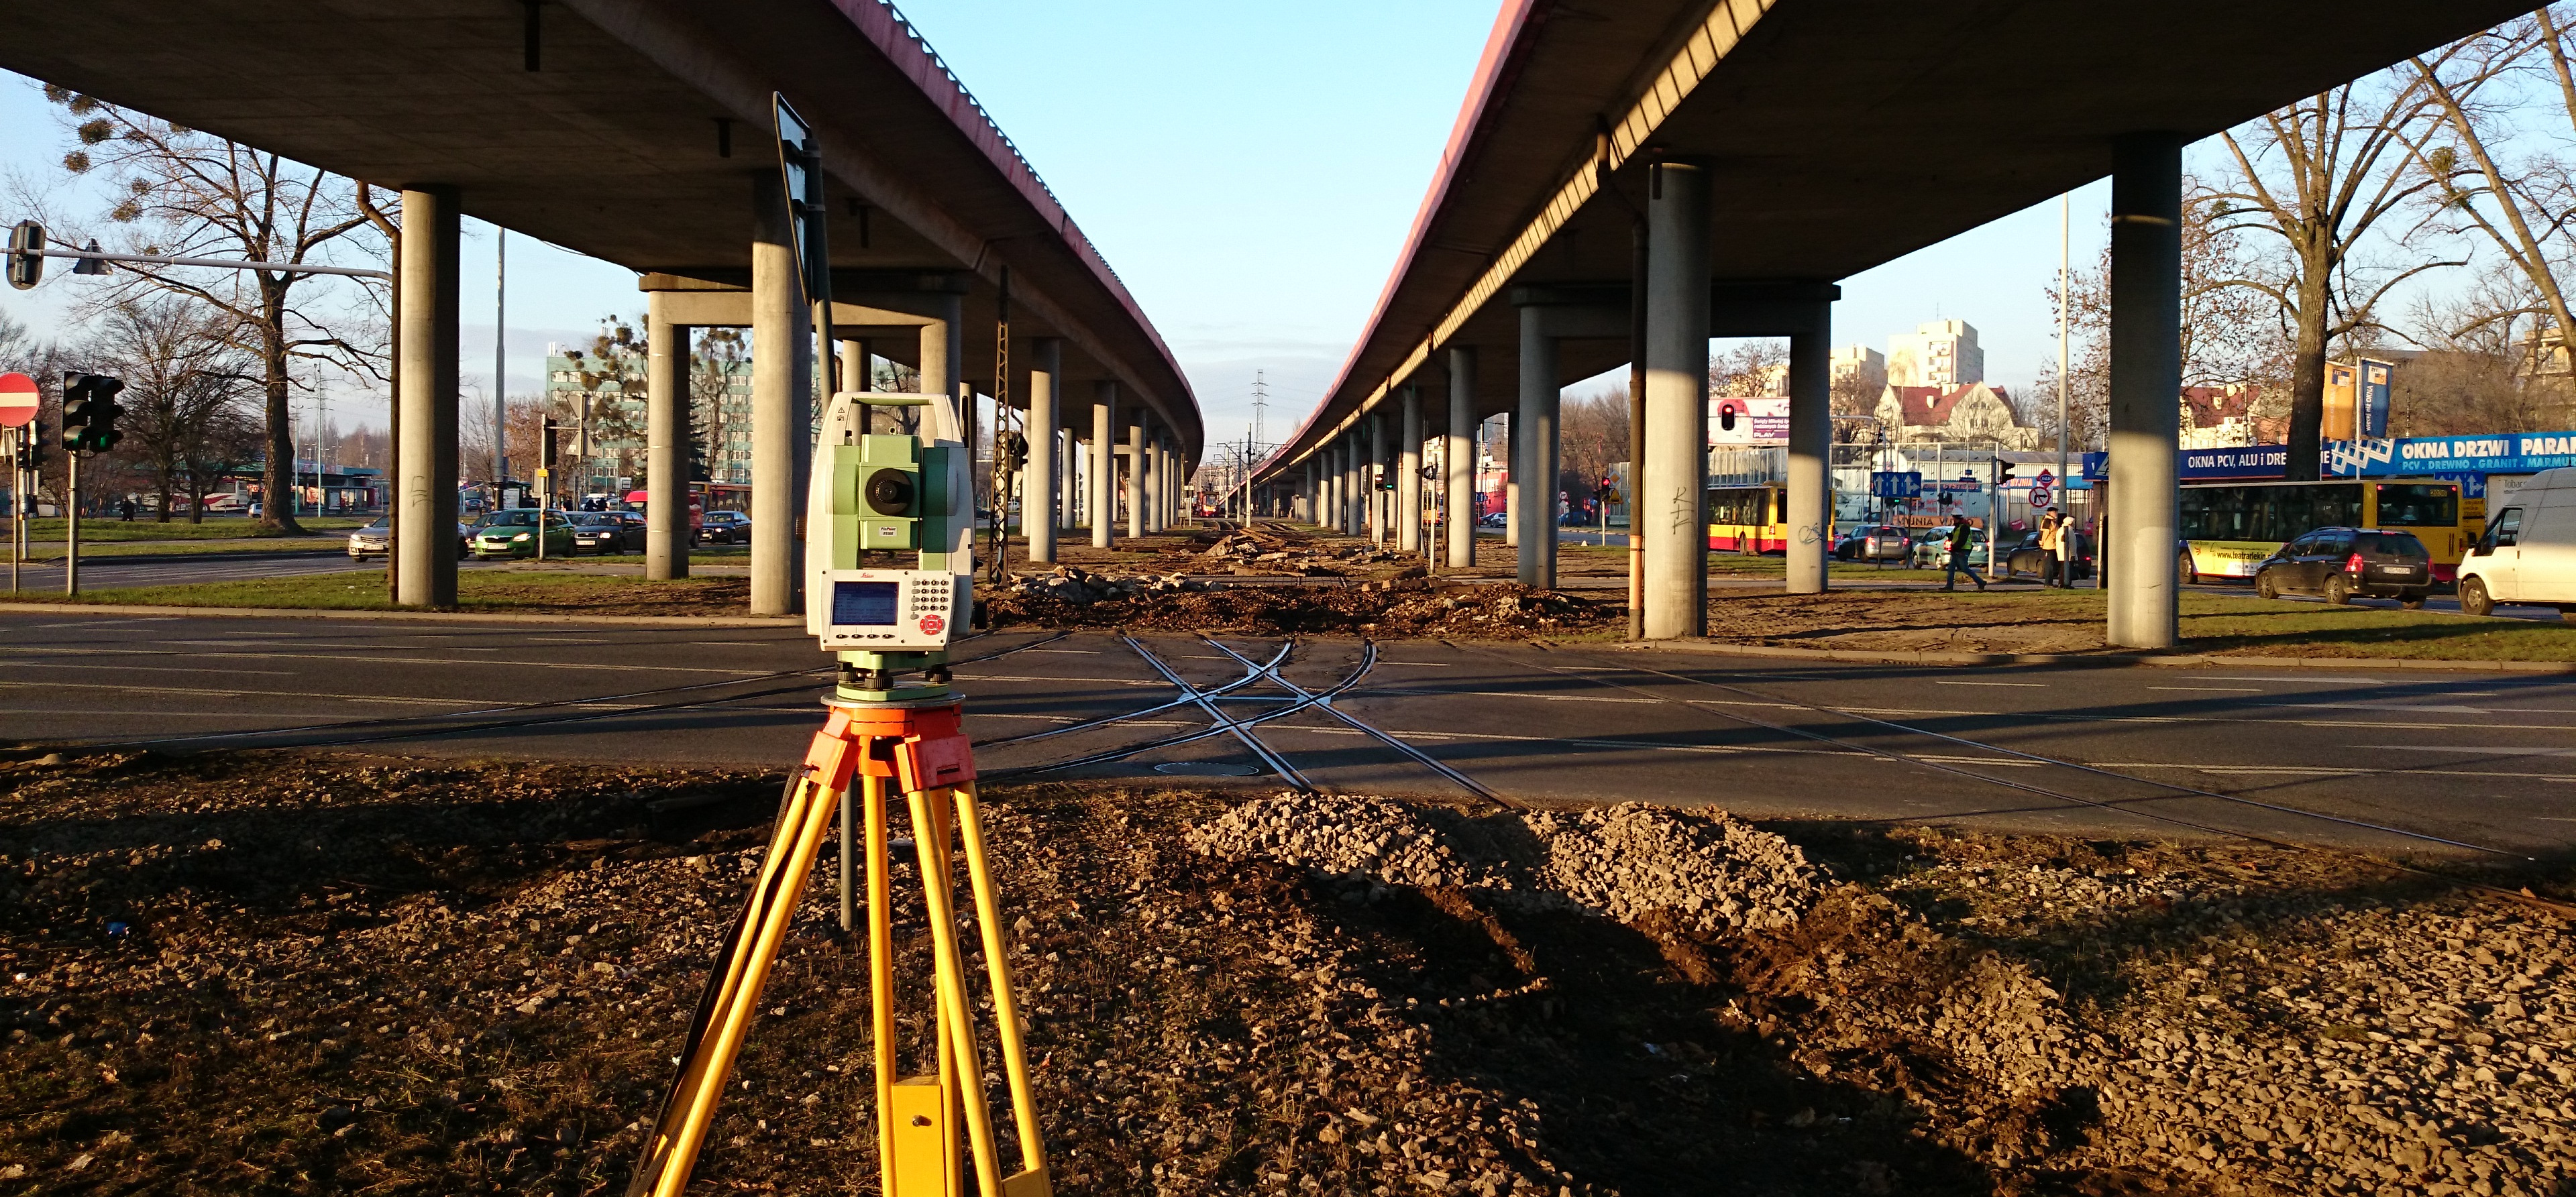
x=1626 y=181
x=641 y=132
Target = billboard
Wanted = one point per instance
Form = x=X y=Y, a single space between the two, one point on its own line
x=2357 y=397
x=1739 y=420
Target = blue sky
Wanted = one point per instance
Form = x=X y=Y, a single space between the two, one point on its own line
x=1250 y=171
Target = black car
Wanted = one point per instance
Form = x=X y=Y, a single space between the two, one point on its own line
x=725 y=527
x=2340 y=563
x=2027 y=559
x=604 y=532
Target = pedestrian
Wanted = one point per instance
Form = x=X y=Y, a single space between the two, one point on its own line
x=125 y=509
x=1960 y=535
x=2052 y=538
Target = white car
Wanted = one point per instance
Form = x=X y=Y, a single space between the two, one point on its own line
x=2528 y=552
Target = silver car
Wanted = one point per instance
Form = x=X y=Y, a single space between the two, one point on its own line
x=374 y=540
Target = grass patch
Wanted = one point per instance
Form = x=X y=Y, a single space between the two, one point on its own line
x=45 y=552
x=476 y=590
x=222 y=527
x=2033 y=620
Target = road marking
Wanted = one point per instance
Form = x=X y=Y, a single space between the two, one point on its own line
x=1070 y=652
x=435 y=702
x=1420 y=664
x=1507 y=694
x=2024 y=685
x=2210 y=689
x=155 y=669
x=2296 y=681
x=1108 y=681
x=339 y=658
x=2470 y=749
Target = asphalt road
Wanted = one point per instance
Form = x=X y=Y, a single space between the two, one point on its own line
x=2480 y=758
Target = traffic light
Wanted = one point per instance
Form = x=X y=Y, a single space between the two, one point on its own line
x=90 y=411
x=2003 y=472
x=549 y=436
x=1384 y=478
x=26 y=254
x=698 y=459
x=31 y=448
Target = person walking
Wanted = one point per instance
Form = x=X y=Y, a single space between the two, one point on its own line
x=2052 y=539
x=1960 y=535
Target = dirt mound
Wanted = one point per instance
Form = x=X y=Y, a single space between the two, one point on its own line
x=1626 y=862
x=1407 y=606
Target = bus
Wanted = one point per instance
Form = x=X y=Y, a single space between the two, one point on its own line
x=2228 y=528
x=1749 y=519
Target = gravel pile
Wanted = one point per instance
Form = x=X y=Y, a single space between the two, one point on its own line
x=1078 y=588
x=1624 y=862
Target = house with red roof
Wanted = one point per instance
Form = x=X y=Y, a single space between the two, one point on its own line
x=1976 y=411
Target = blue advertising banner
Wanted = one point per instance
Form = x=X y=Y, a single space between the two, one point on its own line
x=2490 y=453
x=2255 y=461
x=2374 y=398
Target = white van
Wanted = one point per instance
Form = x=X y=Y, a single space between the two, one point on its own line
x=2528 y=552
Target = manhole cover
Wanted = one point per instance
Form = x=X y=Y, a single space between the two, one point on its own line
x=1206 y=769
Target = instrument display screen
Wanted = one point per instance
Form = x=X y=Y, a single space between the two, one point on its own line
x=865 y=604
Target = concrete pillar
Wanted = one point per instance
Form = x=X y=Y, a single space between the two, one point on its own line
x=943 y=348
x=782 y=374
x=1672 y=492
x=2146 y=374
x=1512 y=481
x=1375 y=424
x=1811 y=438
x=1136 y=476
x=1038 y=492
x=1310 y=499
x=1067 y=447
x=425 y=501
x=1458 y=458
x=1104 y=462
x=1355 y=480
x=666 y=449
x=1408 y=471
x=1534 y=452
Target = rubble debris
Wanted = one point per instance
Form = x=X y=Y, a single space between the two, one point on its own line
x=1708 y=870
x=1406 y=605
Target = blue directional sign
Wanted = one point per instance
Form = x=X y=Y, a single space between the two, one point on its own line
x=1896 y=484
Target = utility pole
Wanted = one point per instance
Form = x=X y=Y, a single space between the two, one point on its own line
x=500 y=342
x=2065 y=481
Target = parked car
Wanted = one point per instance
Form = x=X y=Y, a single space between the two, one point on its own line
x=605 y=532
x=2026 y=559
x=374 y=540
x=514 y=534
x=725 y=527
x=2528 y=552
x=2340 y=563
x=1931 y=548
x=377 y=538
x=1874 y=542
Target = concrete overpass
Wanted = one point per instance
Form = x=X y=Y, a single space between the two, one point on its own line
x=1624 y=182
x=640 y=132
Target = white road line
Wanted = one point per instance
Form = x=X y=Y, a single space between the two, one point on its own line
x=156 y=669
x=1420 y=664
x=2467 y=749
x=2210 y=689
x=1505 y=694
x=435 y=702
x=1107 y=681
x=2023 y=685
x=342 y=658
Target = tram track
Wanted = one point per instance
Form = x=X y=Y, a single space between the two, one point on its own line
x=2018 y=757
x=406 y=727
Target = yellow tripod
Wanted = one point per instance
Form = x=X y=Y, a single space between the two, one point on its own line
x=915 y=749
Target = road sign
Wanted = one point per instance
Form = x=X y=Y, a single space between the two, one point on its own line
x=17 y=400
x=2046 y=478
x=1896 y=484
x=2038 y=495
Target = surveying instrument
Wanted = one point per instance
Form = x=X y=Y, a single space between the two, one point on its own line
x=891 y=728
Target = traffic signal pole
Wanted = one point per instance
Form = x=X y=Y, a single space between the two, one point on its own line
x=71 y=523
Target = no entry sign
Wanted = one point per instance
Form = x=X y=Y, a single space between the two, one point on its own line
x=17 y=400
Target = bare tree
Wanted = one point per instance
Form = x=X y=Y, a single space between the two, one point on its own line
x=714 y=365
x=1758 y=367
x=610 y=401
x=1592 y=433
x=182 y=377
x=2523 y=203
x=2232 y=335
x=187 y=193
x=2320 y=175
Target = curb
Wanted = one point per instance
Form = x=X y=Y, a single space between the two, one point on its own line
x=2069 y=660
x=614 y=621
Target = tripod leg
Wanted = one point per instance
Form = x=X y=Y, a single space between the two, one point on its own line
x=1006 y=1012
x=872 y=790
x=674 y=1148
x=951 y=977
